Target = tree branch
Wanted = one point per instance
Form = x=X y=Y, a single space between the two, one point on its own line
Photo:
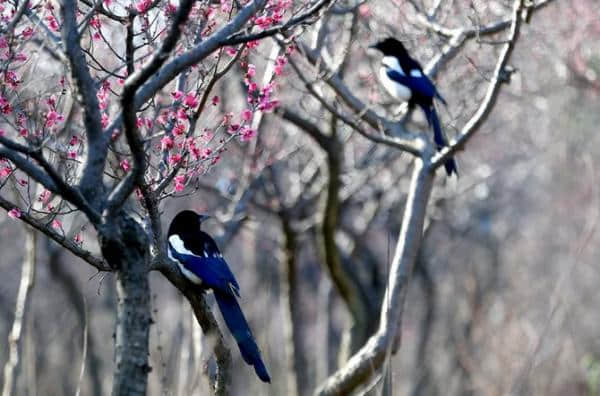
x=491 y=96
x=205 y=319
x=371 y=356
x=68 y=244
x=133 y=82
x=91 y=184
x=21 y=306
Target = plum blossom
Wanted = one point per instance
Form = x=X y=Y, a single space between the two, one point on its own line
x=174 y=159
x=179 y=129
x=53 y=118
x=143 y=6
x=125 y=165
x=166 y=143
x=15 y=213
x=247 y=114
x=190 y=100
x=247 y=133
x=52 y=23
x=5 y=171
x=179 y=183
x=177 y=95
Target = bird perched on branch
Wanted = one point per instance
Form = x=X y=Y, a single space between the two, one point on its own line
x=404 y=79
x=201 y=262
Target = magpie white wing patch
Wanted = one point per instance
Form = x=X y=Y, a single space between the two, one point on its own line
x=391 y=62
x=397 y=90
x=177 y=244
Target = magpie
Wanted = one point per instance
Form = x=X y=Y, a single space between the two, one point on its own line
x=404 y=79
x=201 y=262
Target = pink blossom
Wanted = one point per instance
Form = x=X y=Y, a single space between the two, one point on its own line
x=181 y=114
x=51 y=101
x=45 y=196
x=231 y=51
x=27 y=33
x=263 y=21
x=143 y=6
x=246 y=114
x=22 y=182
x=252 y=44
x=96 y=36
x=252 y=87
x=190 y=100
x=177 y=95
x=21 y=57
x=251 y=72
x=23 y=132
x=364 y=11
x=174 y=159
x=166 y=143
x=10 y=77
x=170 y=9
x=56 y=224
x=3 y=42
x=247 y=134
x=179 y=129
x=72 y=154
x=179 y=183
x=104 y=120
x=125 y=165
x=78 y=239
x=234 y=127
x=15 y=213
x=215 y=100
x=4 y=172
x=53 y=118
x=52 y=23
x=280 y=63
x=95 y=22
x=74 y=140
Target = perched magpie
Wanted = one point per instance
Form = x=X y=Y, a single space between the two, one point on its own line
x=404 y=79
x=201 y=262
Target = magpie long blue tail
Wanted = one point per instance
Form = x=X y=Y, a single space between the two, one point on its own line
x=439 y=138
x=238 y=326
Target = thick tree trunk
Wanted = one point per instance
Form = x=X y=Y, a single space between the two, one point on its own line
x=132 y=328
x=125 y=246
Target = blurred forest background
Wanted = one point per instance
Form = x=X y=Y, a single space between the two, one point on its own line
x=505 y=296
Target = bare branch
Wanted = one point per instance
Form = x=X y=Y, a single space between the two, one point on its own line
x=205 y=319
x=23 y=302
x=68 y=244
x=178 y=64
x=133 y=82
x=91 y=180
x=371 y=356
x=400 y=138
x=292 y=23
x=491 y=96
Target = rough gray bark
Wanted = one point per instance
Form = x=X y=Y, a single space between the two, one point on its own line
x=125 y=246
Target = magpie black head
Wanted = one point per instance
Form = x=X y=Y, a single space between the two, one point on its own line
x=186 y=221
x=390 y=47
